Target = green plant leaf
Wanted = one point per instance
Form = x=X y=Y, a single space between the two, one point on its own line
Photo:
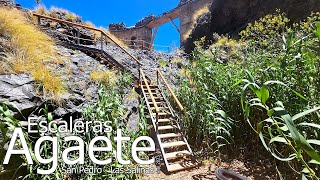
x=317 y=31
x=288 y=121
x=314 y=141
x=309 y=124
x=278 y=139
x=314 y=162
x=264 y=94
x=304 y=113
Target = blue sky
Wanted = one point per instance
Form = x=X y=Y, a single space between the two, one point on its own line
x=104 y=12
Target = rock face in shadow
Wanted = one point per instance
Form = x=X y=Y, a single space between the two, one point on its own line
x=231 y=16
x=18 y=90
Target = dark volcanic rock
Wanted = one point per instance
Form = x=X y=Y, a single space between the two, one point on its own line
x=231 y=16
x=117 y=26
x=18 y=90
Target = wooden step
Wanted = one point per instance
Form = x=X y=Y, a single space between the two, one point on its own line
x=169 y=135
x=174 y=155
x=162 y=114
x=146 y=90
x=159 y=103
x=156 y=99
x=154 y=95
x=150 y=86
x=161 y=128
x=180 y=166
x=173 y=144
x=161 y=108
x=166 y=120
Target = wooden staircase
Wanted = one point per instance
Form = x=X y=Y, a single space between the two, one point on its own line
x=176 y=152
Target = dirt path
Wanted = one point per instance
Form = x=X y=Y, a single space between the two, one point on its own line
x=207 y=171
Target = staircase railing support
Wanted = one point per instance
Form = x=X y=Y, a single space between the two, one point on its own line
x=101 y=41
x=39 y=21
x=78 y=36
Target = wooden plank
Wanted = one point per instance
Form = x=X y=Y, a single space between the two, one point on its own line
x=169 y=135
x=167 y=127
x=178 y=154
x=156 y=98
x=166 y=120
x=162 y=114
x=173 y=144
x=171 y=92
x=66 y=22
x=148 y=88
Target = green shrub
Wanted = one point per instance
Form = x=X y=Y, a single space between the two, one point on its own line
x=269 y=50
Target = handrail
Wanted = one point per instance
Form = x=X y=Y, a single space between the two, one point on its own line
x=170 y=90
x=90 y=28
x=149 y=91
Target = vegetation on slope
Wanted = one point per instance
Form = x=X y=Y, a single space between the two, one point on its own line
x=109 y=107
x=259 y=93
x=28 y=50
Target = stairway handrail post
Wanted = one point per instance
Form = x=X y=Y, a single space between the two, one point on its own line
x=158 y=78
x=78 y=36
x=101 y=41
x=39 y=21
x=157 y=124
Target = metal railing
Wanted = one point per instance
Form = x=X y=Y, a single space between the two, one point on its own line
x=103 y=34
x=145 y=45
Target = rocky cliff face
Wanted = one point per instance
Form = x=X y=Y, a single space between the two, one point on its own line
x=231 y=16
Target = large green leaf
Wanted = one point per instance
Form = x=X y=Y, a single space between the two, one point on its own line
x=288 y=121
x=308 y=148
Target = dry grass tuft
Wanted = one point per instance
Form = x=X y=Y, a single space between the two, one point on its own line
x=41 y=9
x=106 y=77
x=30 y=51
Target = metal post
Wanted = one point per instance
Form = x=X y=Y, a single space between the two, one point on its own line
x=102 y=40
x=180 y=114
x=39 y=21
x=157 y=125
x=157 y=78
x=139 y=75
x=142 y=44
x=78 y=36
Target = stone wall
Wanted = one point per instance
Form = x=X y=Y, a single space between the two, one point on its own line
x=132 y=36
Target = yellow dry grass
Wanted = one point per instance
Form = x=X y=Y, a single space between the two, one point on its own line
x=106 y=77
x=41 y=9
x=31 y=51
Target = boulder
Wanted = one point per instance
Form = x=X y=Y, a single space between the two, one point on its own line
x=18 y=90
